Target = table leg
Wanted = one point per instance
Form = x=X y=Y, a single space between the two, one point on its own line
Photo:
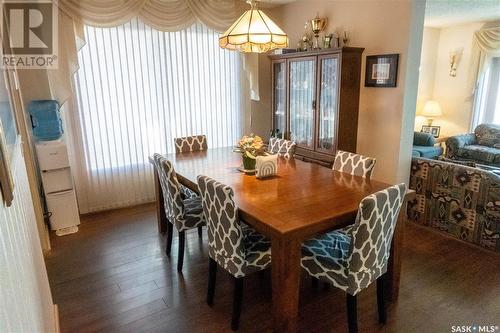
x=394 y=266
x=160 y=209
x=285 y=255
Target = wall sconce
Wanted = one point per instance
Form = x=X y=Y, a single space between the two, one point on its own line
x=455 y=57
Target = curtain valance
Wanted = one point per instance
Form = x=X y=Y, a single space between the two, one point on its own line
x=488 y=40
x=164 y=15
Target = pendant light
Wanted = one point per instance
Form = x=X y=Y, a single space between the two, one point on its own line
x=253 y=32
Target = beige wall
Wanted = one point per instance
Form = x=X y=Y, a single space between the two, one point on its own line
x=452 y=93
x=430 y=44
x=25 y=297
x=380 y=27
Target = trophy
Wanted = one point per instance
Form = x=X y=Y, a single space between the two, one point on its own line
x=317 y=25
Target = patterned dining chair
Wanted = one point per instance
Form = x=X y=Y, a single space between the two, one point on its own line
x=354 y=257
x=183 y=214
x=189 y=144
x=355 y=164
x=282 y=147
x=232 y=244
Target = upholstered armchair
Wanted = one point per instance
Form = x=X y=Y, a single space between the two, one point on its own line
x=482 y=146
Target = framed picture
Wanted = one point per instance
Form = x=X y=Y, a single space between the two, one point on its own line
x=381 y=70
x=434 y=130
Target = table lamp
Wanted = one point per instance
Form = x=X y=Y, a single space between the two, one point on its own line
x=431 y=110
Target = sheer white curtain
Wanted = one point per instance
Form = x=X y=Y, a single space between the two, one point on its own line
x=489 y=101
x=137 y=89
x=485 y=48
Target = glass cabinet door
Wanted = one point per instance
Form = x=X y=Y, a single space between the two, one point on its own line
x=279 y=101
x=302 y=93
x=328 y=103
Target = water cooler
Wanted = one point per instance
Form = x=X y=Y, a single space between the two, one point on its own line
x=58 y=186
x=54 y=167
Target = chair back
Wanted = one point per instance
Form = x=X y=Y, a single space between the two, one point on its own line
x=190 y=143
x=372 y=236
x=174 y=207
x=282 y=147
x=225 y=236
x=355 y=164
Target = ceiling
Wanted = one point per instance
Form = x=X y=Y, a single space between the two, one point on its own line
x=440 y=13
x=443 y=13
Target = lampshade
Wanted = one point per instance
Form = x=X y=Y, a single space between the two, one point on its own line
x=253 y=31
x=432 y=109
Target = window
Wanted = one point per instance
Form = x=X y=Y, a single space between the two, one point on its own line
x=489 y=94
x=137 y=89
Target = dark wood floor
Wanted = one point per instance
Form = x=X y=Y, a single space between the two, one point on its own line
x=113 y=276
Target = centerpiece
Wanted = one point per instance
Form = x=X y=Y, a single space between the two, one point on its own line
x=250 y=146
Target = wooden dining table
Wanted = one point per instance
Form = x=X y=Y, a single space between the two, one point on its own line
x=302 y=200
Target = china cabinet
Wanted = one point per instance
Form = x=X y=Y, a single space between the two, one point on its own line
x=315 y=100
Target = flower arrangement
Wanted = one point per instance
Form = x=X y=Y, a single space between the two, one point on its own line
x=250 y=146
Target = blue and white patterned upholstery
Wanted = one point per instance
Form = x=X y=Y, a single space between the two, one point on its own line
x=282 y=147
x=235 y=246
x=353 y=257
x=183 y=213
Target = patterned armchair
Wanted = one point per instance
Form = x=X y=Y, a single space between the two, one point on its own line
x=482 y=146
x=457 y=200
x=233 y=245
x=354 y=257
x=354 y=164
x=282 y=147
x=184 y=214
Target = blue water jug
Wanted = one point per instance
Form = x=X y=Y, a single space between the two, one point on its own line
x=45 y=120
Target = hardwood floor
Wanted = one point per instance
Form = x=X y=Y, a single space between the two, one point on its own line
x=113 y=276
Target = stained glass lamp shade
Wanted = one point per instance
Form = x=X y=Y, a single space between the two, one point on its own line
x=254 y=32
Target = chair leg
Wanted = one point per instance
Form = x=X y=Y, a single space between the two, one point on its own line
x=170 y=232
x=237 y=297
x=180 y=258
x=382 y=312
x=212 y=275
x=352 y=314
x=200 y=231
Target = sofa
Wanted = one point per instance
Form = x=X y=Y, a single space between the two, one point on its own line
x=457 y=200
x=482 y=146
x=424 y=145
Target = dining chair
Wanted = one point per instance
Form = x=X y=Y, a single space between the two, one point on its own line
x=183 y=214
x=355 y=164
x=232 y=244
x=353 y=257
x=189 y=144
x=282 y=147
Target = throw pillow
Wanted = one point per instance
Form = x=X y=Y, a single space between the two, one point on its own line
x=488 y=135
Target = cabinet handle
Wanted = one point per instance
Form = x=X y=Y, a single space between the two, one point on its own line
x=314 y=105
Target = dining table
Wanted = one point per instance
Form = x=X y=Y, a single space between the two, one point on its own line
x=303 y=199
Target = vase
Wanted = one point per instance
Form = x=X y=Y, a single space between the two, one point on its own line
x=248 y=163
